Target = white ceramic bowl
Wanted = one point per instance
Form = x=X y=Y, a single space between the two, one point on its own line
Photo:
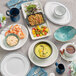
x=59 y=11
x=68 y=54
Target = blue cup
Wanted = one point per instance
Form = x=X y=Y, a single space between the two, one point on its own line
x=14 y=14
x=59 y=68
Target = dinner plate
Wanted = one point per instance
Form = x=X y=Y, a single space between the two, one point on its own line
x=15 y=64
x=49 y=10
x=65 y=33
x=21 y=41
x=43 y=62
x=39 y=6
x=64 y=56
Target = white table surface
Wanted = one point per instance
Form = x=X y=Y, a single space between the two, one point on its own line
x=71 y=5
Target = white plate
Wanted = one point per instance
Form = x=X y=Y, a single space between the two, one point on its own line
x=49 y=10
x=64 y=56
x=21 y=41
x=25 y=15
x=15 y=65
x=43 y=62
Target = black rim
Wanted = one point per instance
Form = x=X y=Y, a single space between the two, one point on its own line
x=45 y=43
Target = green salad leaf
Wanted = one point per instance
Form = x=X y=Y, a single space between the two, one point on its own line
x=31 y=9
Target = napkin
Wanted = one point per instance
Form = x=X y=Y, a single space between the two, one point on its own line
x=42 y=71
x=12 y=2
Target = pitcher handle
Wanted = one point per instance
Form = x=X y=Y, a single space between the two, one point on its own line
x=56 y=64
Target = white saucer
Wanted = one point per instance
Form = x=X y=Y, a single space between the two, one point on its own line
x=21 y=41
x=15 y=65
x=64 y=56
x=43 y=62
x=49 y=10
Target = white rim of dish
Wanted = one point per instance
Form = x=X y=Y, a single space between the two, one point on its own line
x=25 y=37
x=61 y=41
x=67 y=10
x=64 y=56
x=48 y=42
x=12 y=54
x=34 y=38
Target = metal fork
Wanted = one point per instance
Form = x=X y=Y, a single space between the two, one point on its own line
x=36 y=71
x=19 y=1
x=42 y=74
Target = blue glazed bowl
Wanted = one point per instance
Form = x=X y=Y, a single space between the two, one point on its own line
x=65 y=33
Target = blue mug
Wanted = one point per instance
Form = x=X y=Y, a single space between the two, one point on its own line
x=14 y=14
x=59 y=68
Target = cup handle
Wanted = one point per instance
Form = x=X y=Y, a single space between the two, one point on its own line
x=74 y=43
x=7 y=13
x=56 y=64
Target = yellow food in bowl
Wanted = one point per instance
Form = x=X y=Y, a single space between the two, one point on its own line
x=43 y=50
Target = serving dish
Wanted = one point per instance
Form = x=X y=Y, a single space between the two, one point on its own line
x=63 y=54
x=15 y=64
x=65 y=33
x=42 y=47
x=11 y=40
x=39 y=7
x=39 y=13
x=21 y=41
x=43 y=62
x=49 y=11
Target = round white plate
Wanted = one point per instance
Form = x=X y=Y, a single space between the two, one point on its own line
x=43 y=62
x=64 y=56
x=21 y=41
x=49 y=10
x=15 y=65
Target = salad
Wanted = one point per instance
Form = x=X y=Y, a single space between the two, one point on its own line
x=31 y=9
x=40 y=31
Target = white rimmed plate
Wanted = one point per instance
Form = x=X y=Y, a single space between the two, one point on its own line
x=43 y=62
x=49 y=10
x=15 y=64
x=64 y=56
x=39 y=6
x=21 y=41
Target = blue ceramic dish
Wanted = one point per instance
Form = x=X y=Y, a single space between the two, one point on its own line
x=65 y=33
x=41 y=72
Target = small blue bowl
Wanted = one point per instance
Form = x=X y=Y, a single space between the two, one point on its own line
x=65 y=33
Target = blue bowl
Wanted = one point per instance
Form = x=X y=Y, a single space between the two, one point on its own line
x=65 y=33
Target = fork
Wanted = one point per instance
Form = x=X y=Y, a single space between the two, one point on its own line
x=42 y=74
x=36 y=71
x=19 y=1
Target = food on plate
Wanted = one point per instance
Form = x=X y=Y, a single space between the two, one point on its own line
x=35 y=19
x=43 y=50
x=31 y=9
x=12 y=39
x=16 y=29
x=40 y=31
x=70 y=49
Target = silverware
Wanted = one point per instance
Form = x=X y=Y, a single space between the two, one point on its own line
x=18 y=2
x=42 y=74
x=36 y=71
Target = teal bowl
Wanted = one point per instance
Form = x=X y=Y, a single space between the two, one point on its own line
x=65 y=33
x=11 y=35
